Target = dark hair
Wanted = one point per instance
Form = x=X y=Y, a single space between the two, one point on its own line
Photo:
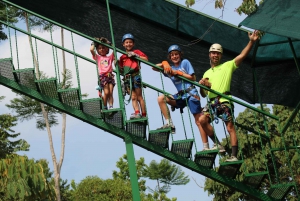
x=102 y=40
x=180 y=54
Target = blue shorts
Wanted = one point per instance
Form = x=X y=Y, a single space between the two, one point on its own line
x=193 y=103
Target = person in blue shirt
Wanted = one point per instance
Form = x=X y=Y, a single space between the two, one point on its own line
x=186 y=94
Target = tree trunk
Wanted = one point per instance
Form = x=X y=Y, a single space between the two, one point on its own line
x=45 y=115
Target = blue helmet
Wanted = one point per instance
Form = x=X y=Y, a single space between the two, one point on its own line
x=174 y=47
x=127 y=36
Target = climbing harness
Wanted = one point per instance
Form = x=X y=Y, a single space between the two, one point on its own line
x=219 y=109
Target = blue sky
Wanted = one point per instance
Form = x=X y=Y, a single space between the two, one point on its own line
x=88 y=150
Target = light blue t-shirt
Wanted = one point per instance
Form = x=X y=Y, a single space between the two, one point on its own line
x=186 y=67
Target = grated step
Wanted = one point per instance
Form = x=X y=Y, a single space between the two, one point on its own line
x=230 y=169
x=7 y=68
x=279 y=191
x=160 y=137
x=183 y=147
x=26 y=77
x=70 y=97
x=206 y=158
x=92 y=107
x=137 y=127
x=47 y=87
x=114 y=117
x=255 y=179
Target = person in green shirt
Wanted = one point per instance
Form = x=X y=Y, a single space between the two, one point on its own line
x=218 y=78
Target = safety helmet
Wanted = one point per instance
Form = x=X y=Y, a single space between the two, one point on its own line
x=127 y=36
x=216 y=48
x=174 y=47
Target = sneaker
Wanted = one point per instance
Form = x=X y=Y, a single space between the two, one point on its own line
x=135 y=116
x=168 y=126
x=206 y=149
x=218 y=147
x=231 y=159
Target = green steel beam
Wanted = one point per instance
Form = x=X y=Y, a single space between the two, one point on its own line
x=136 y=140
x=132 y=169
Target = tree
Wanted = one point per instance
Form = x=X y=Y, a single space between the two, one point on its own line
x=6 y=145
x=247 y=6
x=46 y=117
x=166 y=173
x=257 y=156
x=123 y=173
x=7 y=13
x=20 y=177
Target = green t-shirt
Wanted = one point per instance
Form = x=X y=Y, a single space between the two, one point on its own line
x=220 y=78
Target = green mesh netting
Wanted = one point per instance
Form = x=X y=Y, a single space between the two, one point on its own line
x=158 y=24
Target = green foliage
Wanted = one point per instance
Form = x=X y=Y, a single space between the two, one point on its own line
x=28 y=108
x=123 y=173
x=96 y=189
x=166 y=173
x=7 y=14
x=257 y=156
x=22 y=179
x=6 y=146
x=189 y=3
x=1 y=98
x=247 y=6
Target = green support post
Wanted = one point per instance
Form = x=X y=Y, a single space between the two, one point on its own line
x=132 y=169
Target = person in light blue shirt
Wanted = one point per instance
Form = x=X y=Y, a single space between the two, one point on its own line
x=186 y=94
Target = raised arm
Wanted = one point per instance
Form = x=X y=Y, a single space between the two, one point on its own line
x=92 y=49
x=253 y=38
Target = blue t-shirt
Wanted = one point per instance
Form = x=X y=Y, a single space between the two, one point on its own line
x=186 y=67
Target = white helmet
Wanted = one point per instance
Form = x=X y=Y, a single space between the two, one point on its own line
x=216 y=48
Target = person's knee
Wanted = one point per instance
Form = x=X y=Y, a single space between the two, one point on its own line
x=160 y=99
x=133 y=97
x=203 y=120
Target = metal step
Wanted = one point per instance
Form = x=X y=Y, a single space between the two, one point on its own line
x=70 y=97
x=183 y=147
x=25 y=77
x=114 y=117
x=160 y=137
x=7 y=68
x=255 y=179
x=137 y=127
x=279 y=191
x=206 y=158
x=47 y=87
x=230 y=169
x=92 y=107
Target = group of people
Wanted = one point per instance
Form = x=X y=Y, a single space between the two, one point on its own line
x=217 y=77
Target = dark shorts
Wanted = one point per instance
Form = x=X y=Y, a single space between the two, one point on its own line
x=193 y=103
x=223 y=111
x=107 y=79
x=135 y=81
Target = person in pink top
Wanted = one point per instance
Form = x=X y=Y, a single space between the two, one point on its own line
x=106 y=77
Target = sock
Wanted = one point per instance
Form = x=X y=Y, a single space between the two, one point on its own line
x=169 y=121
x=234 y=151
x=144 y=114
x=137 y=112
x=206 y=145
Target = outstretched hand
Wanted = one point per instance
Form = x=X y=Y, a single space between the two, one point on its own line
x=253 y=36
